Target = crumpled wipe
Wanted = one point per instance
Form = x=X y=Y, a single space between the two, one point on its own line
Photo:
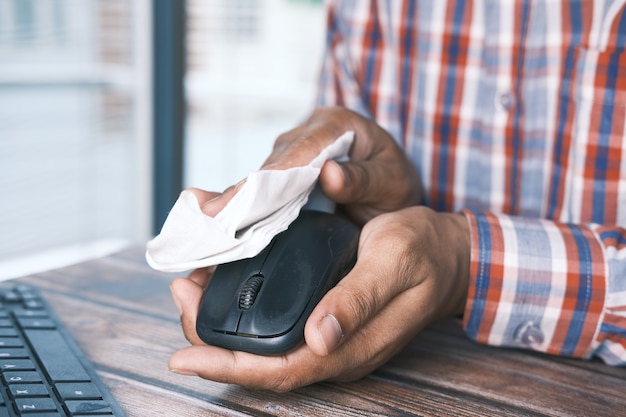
x=264 y=206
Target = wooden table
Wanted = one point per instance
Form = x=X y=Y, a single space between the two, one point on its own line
x=121 y=314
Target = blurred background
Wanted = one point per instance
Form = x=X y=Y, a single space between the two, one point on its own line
x=85 y=115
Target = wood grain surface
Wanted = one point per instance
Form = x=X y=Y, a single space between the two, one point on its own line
x=121 y=315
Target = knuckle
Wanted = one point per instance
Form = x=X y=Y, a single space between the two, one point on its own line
x=360 y=302
x=282 y=140
x=287 y=379
x=284 y=384
x=391 y=231
x=294 y=149
x=397 y=235
x=361 y=189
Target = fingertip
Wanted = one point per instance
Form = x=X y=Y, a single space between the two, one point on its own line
x=334 y=180
x=201 y=195
x=181 y=286
x=177 y=293
x=214 y=205
x=323 y=334
x=183 y=362
x=186 y=295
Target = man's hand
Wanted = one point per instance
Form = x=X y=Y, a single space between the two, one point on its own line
x=379 y=178
x=412 y=269
x=412 y=265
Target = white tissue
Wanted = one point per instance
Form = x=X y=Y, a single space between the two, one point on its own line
x=264 y=206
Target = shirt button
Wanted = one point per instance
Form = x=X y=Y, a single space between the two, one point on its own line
x=505 y=101
x=529 y=334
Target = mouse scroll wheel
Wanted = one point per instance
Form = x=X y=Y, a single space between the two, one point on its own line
x=249 y=291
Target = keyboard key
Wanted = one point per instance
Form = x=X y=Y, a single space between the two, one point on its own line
x=8 y=332
x=34 y=304
x=44 y=414
x=13 y=353
x=19 y=377
x=35 y=323
x=86 y=408
x=22 y=312
x=28 y=390
x=17 y=365
x=35 y=405
x=57 y=358
x=11 y=342
x=28 y=294
x=76 y=391
x=11 y=296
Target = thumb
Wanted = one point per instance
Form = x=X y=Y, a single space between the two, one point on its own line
x=379 y=184
x=356 y=299
x=339 y=315
x=345 y=182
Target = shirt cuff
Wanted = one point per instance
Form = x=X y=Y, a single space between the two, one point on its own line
x=534 y=284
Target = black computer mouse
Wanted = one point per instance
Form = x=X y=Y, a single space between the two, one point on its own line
x=261 y=304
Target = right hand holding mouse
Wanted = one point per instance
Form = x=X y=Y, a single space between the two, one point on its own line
x=411 y=270
x=412 y=266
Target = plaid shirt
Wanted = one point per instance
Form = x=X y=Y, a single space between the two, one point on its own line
x=514 y=113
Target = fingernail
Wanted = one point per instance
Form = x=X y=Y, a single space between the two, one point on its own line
x=330 y=332
x=184 y=372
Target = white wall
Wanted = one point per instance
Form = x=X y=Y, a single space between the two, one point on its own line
x=246 y=87
x=75 y=134
x=73 y=137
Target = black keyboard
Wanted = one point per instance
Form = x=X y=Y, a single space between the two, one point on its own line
x=44 y=373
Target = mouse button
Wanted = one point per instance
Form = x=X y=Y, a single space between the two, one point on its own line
x=286 y=292
x=218 y=308
x=249 y=292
